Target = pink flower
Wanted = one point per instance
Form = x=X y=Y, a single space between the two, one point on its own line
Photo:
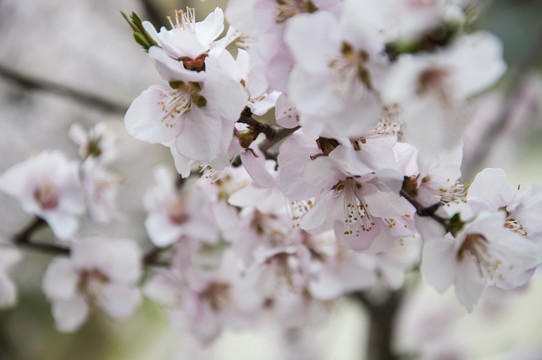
x=174 y=213
x=47 y=186
x=196 y=118
x=485 y=253
x=100 y=272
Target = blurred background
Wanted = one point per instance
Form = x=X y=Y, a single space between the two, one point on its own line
x=75 y=61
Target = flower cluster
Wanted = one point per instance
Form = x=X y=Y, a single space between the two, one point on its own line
x=353 y=182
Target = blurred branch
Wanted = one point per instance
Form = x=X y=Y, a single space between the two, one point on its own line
x=153 y=13
x=74 y=94
x=381 y=322
x=23 y=240
x=152 y=257
x=512 y=95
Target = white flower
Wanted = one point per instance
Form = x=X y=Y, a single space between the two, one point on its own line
x=331 y=83
x=100 y=272
x=98 y=142
x=47 y=185
x=100 y=186
x=173 y=212
x=483 y=254
x=196 y=118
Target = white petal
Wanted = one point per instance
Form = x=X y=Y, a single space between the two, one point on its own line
x=70 y=314
x=224 y=94
x=313 y=39
x=209 y=29
x=64 y=226
x=60 y=279
x=439 y=264
x=201 y=136
x=162 y=231
x=318 y=214
x=257 y=170
x=118 y=301
x=490 y=190
x=469 y=283
x=147 y=120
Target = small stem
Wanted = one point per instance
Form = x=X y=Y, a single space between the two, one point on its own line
x=257 y=125
x=425 y=211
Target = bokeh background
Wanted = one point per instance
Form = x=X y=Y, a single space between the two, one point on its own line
x=64 y=61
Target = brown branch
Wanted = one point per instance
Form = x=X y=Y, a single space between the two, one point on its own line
x=381 y=323
x=276 y=138
x=65 y=91
x=425 y=211
x=152 y=257
x=23 y=240
x=257 y=125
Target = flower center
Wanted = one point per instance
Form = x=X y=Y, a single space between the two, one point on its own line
x=290 y=8
x=46 y=196
x=177 y=213
x=178 y=101
x=90 y=284
x=218 y=295
x=356 y=210
x=349 y=74
x=477 y=245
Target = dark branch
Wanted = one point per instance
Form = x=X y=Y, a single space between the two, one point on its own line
x=257 y=125
x=152 y=257
x=74 y=94
x=425 y=211
x=381 y=315
x=276 y=138
x=23 y=240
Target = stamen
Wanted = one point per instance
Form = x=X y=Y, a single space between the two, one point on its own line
x=516 y=226
x=46 y=196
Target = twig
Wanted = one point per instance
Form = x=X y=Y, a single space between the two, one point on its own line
x=74 y=94
x=277 y=137
x=425 y=211
x=23 y=240
x=151 y=257
x=257 y=125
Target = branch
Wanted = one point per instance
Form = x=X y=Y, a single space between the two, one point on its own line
x=276 y=138
x=381 y=322
x=500 y=126
x=23 y=240
x=273 y=134
x=151 y=257
x=425 y=211
x=65 y=91
x=257 y=125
